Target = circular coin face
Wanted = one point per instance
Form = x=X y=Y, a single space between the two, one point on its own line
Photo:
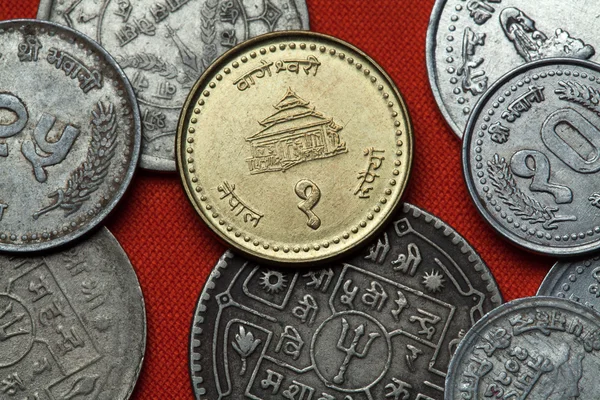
x=539 y=348
x=400 y=308
x=295 y=147
x=472 y=44
x=165 y=45
x=531 y=153
x=72 y=323
x=69 y=135
x=578 y=281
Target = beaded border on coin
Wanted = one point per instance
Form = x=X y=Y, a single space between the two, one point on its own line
x=401 y=123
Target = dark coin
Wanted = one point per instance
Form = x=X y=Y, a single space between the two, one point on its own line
x=578 y=281
x=165 y=45
x=69 y=135
x=538 y=348
x=381 y=325
x=470 y=44
x=72 y=324
x=531 y=153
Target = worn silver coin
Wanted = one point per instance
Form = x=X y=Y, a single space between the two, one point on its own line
x=72 y=323
x=471 y=44
x=383 y=324
x=69 y=135
x=537 y=348
x=576 y=280
x=165 y=45
x=531 y=152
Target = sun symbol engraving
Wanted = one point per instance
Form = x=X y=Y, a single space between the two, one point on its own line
x=433 y=281
x=273 y=282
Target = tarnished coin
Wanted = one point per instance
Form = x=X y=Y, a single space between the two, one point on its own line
x=295 y=147
x=578 y=281
x=69 y=135
x=381 y=325
x=530 y=156
x=72 y=323
x=537 y=348
x=471 y=44
x=165 y=45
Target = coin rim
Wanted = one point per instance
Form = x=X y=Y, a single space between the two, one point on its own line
x=430 y=46
x=198 y=322
x=248 y=251
x=555 y=274
x=567 y=251
x=474 y=333
x=148 y=162
x=136 y=139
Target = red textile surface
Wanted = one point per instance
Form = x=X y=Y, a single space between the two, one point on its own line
x=173 y=252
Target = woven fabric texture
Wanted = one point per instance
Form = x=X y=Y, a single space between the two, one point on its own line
x=173 y=252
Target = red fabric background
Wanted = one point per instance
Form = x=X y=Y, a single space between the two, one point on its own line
x=173 y=252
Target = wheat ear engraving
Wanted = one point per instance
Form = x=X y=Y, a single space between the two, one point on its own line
x=524 y=206
x=88 y=177
x=584 y=95
x=149 y=62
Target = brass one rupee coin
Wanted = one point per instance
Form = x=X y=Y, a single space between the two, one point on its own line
x=294 y=147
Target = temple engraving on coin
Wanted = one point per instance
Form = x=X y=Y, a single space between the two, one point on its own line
x=285 y=333
x=534 y=185
x=534 y=348
x=164 y=46
x=295 y=134
x=77 y=156
x=72 y=323
x=471 y=44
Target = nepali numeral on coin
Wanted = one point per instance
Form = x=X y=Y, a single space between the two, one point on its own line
x=57 y=151
x=311 y=194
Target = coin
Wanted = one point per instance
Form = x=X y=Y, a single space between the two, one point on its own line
x=399 y=308
x=530 y=153
x=72 y=323
x=165 y=45
x=69 y=135
x=534 y=348
x=472 y=44
x=576 y=280
x=312 y=156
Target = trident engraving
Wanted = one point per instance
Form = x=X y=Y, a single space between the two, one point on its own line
x=352 y=351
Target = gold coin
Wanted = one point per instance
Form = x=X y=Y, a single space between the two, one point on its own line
x=294 y=147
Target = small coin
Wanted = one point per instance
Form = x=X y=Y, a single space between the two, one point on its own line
x=400 y=308
x=472 y=44
x=69 y=135
x=165 y=45
x=72 y=323
x=538 y=348
x=578 y=281
x=530 y=154
x=295 y=147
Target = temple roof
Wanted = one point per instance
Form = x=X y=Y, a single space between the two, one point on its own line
x=293 y=113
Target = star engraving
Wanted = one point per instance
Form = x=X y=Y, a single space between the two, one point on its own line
x=433 y=281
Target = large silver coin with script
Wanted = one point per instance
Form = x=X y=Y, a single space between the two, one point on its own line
x=72 y=324
x=471 y=44
x=69 y=135
x=165 y=45
x=531 y=154
x=576 y=280
x=537 y=348
x=382 y=325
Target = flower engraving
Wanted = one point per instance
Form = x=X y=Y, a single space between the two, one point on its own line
x=245 y=345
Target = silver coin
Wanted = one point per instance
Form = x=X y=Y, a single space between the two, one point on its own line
x=72 y=323
x=538 y=348
x=576 y=280
x=471 y=44
x=400 y=308
x=165 y=45
x=530 y=154
x=69 y=135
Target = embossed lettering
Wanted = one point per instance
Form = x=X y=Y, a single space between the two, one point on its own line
x=524 y=103
x=273 y=380
x=379 y=251
x=29 y=49
x=402 y=303
x=298 y=391
x=3 y=207
x=426 y=323
x=409 y=262
x=13 y=104
x=350 y=294
x=398 y=388
x=320 y=280
x=311 y=194
x=237 y=205
x=291 y=342
x=307 y=310
x=375 y=296
x=367 y=177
